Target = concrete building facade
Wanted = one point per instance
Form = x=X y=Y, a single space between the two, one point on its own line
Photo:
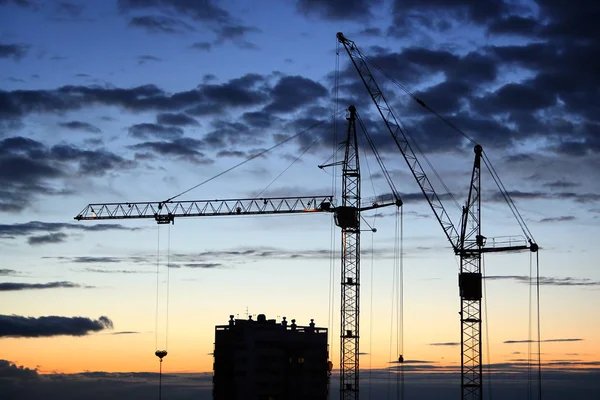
x=265 y=360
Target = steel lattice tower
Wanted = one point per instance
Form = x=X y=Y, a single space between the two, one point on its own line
x=471 y=242
x=348 y=218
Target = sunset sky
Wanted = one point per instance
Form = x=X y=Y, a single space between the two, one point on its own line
x=139 y=100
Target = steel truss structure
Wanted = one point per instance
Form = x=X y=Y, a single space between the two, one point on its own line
x=348 y=218
x=469 y=244
x=165 y=212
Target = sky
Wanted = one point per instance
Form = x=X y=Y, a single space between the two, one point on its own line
x=140 y=100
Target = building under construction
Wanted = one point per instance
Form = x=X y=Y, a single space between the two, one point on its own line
x=263 y=359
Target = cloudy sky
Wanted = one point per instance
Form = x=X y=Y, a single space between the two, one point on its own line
x=140 y=100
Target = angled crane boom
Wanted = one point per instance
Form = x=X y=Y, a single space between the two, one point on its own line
x=467 y=242
x=400 y=139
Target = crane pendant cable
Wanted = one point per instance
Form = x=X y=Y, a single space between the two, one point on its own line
x=398 y=307
x=400 y=303
x=162 y=353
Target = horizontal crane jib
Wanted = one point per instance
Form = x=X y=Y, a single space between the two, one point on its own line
x=165 y=212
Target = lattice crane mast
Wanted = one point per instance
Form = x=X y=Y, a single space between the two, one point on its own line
x=467 y=241
x=347 y=217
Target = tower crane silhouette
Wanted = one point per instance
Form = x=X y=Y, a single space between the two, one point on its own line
x=347 y=216
x=467 y=240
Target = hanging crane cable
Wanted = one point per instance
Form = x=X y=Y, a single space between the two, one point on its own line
x=487 y=327
x=538 y=340
x=371 y=316
x=539 y=329
x=162 y=353
x=157 y=286
x=168 y=288
x=366 y=159
x=529 y=326
x=332 y=241
x=392 y=315
x=400 y=306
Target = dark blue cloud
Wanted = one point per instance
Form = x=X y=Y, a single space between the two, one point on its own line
x=13 y=50
x=29 y=327
x=16 y=286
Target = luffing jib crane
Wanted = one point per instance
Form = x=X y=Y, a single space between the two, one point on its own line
x=467 y=241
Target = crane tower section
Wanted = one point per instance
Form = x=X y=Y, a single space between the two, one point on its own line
x=469 y=282
x=347 y=217
x=469 y=244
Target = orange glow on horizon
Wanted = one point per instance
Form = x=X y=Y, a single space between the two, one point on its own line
x=136 y=354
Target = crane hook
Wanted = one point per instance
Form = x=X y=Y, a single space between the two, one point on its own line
x=160 y=354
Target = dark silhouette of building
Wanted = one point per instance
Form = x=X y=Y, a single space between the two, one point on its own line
x=265 y=360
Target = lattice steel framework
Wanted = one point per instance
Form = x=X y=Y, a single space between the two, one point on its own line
x=165 y=212
x=399 y=137
x=348 y=218
x=471 y=242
